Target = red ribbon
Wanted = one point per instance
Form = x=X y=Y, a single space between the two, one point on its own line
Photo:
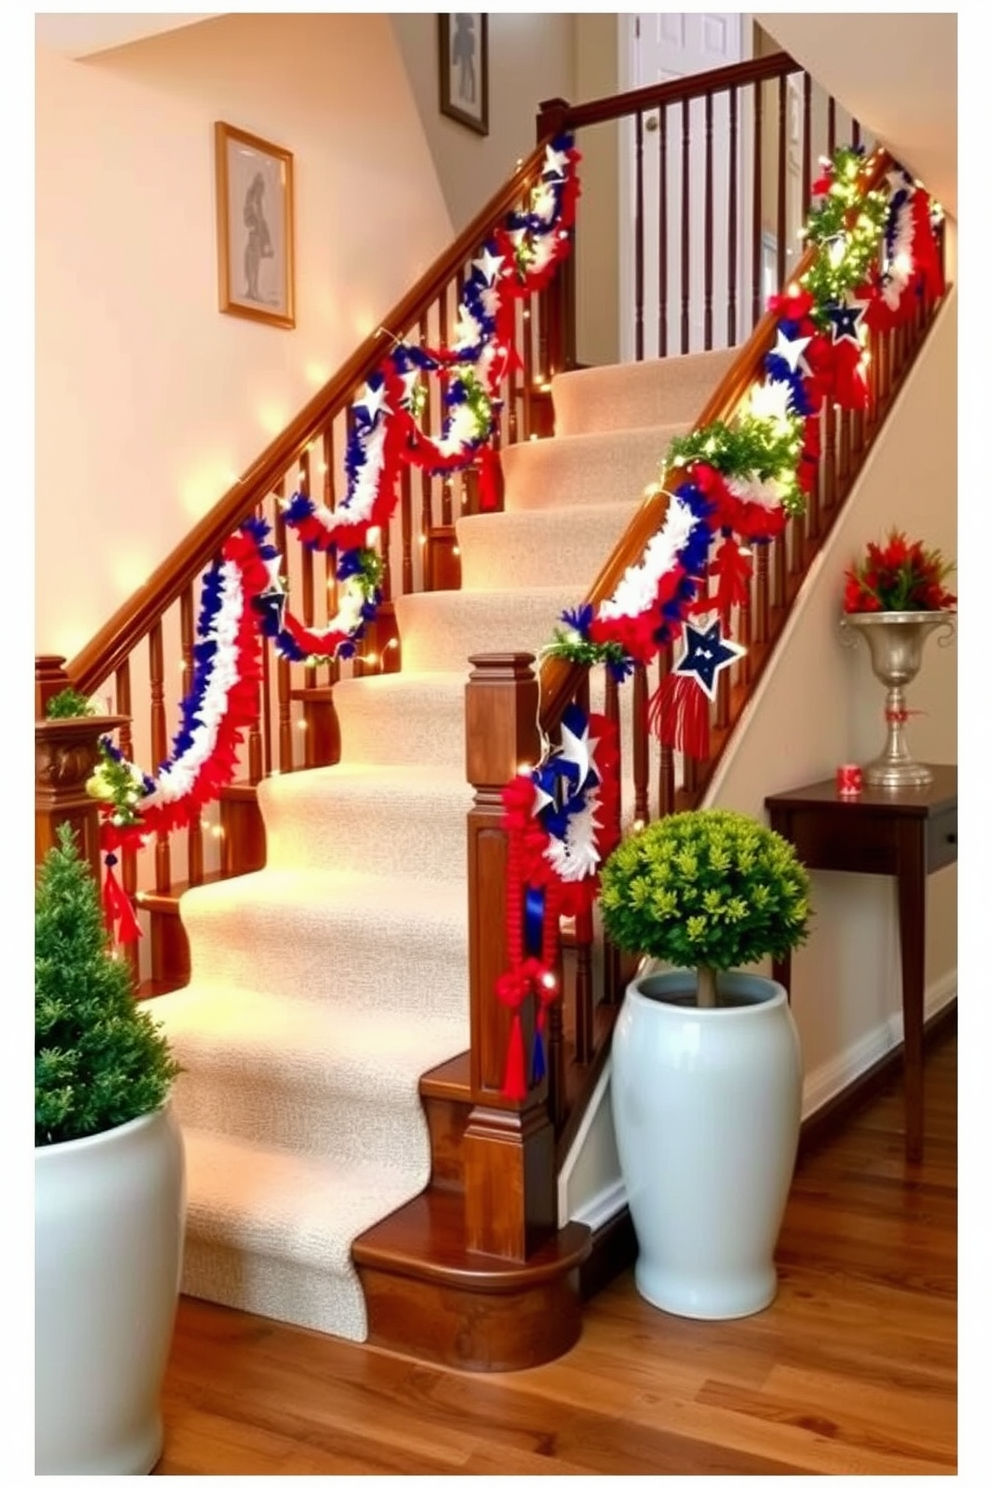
x=118 y=911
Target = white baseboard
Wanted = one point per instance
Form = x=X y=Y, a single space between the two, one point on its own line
x=830 y=1079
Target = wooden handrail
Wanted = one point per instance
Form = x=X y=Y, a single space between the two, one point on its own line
x=559 y=678
x=695 y=85
x=114 y=642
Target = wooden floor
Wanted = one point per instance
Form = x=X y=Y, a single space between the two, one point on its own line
x=852 y=1370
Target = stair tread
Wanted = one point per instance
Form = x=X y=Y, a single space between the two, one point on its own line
x=302 y=1032
x=427 y=1238
x=314 y=1205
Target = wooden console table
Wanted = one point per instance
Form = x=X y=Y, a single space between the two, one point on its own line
x=908 y=833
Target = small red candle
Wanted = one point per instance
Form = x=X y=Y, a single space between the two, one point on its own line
x=849 y=780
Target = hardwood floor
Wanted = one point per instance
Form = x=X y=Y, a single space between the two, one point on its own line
x=852 y=1370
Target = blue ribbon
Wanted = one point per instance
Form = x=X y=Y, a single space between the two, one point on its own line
x=533 y=921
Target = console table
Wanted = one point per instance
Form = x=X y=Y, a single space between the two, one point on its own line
x=908 y=833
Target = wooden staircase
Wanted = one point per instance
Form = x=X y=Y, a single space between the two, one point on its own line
x=475 y=1273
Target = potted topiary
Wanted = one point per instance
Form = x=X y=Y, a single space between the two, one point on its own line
x=109 y=1190
x=706 y=1080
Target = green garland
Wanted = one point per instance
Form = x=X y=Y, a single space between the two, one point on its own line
x=847 y=247
x=753 y=447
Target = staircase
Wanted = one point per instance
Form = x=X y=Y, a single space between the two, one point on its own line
x=326 y=986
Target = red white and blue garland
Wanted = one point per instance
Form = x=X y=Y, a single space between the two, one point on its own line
x=515 y=263
x=740 y=483
x=561 y=821
x=244 y=596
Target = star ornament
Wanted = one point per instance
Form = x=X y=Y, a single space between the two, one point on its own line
x=555 y=162
x=845 y=322
x=488 y=265
x=791 y=351
x=706 y=654
x=372 y=402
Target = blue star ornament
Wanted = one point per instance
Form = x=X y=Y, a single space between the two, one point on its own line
x=706 y=653
x=845 y=322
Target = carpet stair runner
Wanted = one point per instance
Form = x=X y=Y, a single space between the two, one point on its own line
x=324 y=986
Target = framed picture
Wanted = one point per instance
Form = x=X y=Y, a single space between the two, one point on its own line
x=463 y=58
x=254 y=227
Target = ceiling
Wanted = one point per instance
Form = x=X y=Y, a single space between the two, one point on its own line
x=79 y=35
x=896 y=73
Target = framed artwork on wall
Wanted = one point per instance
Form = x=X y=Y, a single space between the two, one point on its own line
x=463 y=58
x=254 y=227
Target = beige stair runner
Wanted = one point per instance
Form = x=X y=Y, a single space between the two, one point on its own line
x=325 y=985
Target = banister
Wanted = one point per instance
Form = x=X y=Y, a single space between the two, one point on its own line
x=131 y=622
x=558 y=677
x=695 y=85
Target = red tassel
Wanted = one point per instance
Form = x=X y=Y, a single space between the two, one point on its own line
x=515 y=1083
x=679 y=716
x=733 y=574
x=489 y=479
x=118 y=911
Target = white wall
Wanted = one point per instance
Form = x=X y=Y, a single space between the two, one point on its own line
x=149 y=402
x=531 y=58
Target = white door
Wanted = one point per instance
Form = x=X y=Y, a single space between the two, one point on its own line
x=660 y=47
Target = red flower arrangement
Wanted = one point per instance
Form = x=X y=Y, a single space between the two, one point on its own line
x=900 y=576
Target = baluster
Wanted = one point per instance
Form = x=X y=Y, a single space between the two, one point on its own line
x=761 y=593
x=639 y=236
x=829 y=457
x=666 y=757
x=333 y=671
x=807 y=142
x=583 y=946
x=783 y=167
x=612 y=989
x=426 y=480
x=663 y=232
x=283 y=677
x=685 y=260
x=555 y=1037
x=831 y=126
x=187 y=636
x=125 y=741
x=756 y=190
x=744 y=629
x=732 y=226
x=708 y=230
x=779 y=572
x=639 y=744
x=306 y=560
x=513 y=390
x=160 y=747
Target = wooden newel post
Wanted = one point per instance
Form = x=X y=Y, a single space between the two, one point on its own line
x=66 y=751
x=509 y=1146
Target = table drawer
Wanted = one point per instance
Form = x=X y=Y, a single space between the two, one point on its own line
x=942 y=840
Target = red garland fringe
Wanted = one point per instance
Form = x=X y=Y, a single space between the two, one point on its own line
x=678 y=715
x=118 y=911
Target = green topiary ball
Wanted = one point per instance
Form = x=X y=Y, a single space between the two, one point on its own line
x=710 y=888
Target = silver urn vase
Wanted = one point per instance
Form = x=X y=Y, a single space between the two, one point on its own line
x=895 y=641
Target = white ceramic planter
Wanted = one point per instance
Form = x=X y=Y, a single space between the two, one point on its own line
x=109 y=1224
x=706 y=1105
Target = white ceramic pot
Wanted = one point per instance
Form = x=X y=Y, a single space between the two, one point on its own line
x=706 y=1105
x=109 y=1225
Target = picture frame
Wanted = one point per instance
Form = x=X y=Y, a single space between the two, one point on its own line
x=463 y=69
x=254 y=227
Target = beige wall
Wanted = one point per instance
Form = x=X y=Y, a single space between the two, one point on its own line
x=148 y=400
x=531 y=58
x=820 y=706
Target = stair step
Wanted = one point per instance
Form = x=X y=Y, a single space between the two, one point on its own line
x=585 y=469
x=428 y=1295
x=524 y=549
x=441 y=631
x=636 y=395
x=289 y=1258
